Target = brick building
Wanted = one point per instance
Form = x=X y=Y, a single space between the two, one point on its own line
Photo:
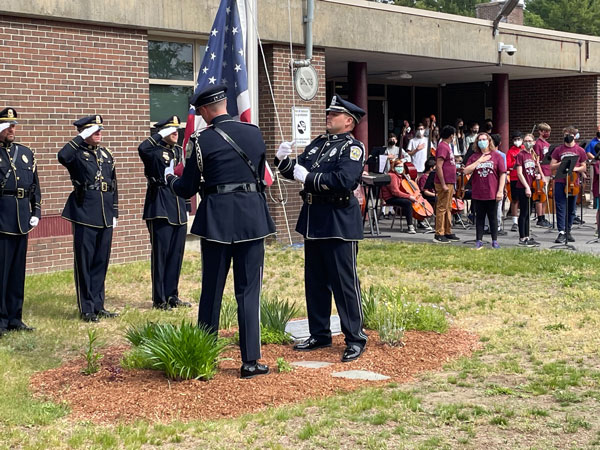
x=137 y=62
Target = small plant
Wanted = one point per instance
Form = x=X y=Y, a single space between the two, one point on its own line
x=370 y=300
x=390 y=323
x=228 y=316
x=92 y=356
x=268 y=336
x=276 y=313
x=283 y=366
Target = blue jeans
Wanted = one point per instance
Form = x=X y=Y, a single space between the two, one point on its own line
x=561 y=204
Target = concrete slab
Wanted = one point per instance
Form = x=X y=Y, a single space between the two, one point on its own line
x=360 y=375
x=311 y=364
x=299 y=328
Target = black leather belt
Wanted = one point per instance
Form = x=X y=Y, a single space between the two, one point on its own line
x=331 y=199
x=103 y=186
x=19 y=193
x=228 y=188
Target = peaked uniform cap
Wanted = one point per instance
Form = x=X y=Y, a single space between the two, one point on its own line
x=212 y=94
x=89 y=121
x=8 y=115
x=338 y=104
x=172 y=121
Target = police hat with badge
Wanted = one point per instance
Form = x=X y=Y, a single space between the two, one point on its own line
x=8 y=115
x=170 y=122
x=208 y=96
x=339 y=105
x=89 y=121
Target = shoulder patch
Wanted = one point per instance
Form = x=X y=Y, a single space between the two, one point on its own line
x=355 y=153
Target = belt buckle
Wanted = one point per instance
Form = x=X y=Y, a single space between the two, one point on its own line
x=309 y=198
x=104 y=186
x=20 y=193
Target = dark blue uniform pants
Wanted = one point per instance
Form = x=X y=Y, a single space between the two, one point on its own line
x=168 y=243
x=248 y=258
x=330 y=266
x=91 y=248
x=564 y=222
x=13 y=252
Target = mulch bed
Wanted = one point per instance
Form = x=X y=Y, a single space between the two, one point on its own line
x=115 y=395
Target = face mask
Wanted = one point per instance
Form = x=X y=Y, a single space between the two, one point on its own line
x=577 y=136
x=518 y=142
x=420 y=133
x=482 y=144
x=598 y=134
x=399 y=170
x=569 y=138
x=528 y=145
x=391 y=143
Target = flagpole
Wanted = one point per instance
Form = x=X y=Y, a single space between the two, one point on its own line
x=252 y=57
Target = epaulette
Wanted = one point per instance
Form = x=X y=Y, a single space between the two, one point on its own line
x=197 y=133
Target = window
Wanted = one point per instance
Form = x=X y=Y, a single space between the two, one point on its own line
x=172 y=67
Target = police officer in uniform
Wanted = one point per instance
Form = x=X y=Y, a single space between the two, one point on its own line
x=20 y=212
x=92 y=208
x=228 y=158
x=165 y=214
x=330 y=169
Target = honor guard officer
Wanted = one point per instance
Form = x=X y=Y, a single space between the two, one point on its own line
x=92 y=209
x=165 y=213
x=330 y=221
x=20 y=212
x=228 y=158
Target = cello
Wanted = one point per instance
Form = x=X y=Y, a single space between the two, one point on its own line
x=422 y=209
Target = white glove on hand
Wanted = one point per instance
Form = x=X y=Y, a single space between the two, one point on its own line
x=170 y=170
x=4 y=126
x=167 y=131
x=300 y=173
x=285 y=150
x=34 y=221
x=89 y=131
x=114 y=222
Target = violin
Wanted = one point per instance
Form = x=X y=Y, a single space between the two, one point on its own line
x=572 y=185
x=422 y=209
x=461 y=184
x=538 y=193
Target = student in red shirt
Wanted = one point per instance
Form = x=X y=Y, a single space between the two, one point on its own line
x=528 y=169
x=395 y=196
x=542 y=147
x=513 y=151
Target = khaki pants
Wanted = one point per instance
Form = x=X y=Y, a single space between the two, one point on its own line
x=443 y=209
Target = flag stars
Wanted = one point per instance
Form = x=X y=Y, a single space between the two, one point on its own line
x=205 y=70
x=241 y=52
x=223 y=81
x=212 y=56
x=212 y=80
x=214 y=32
x=226 y=28
x=224 y=63
x=228 y=10
x=234 y=30
x=237 y=68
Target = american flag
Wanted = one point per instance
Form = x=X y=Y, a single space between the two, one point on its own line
x=224 y=62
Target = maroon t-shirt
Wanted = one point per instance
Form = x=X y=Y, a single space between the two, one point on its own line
x=563 y=151
x=526 y=161
x=449 y=167
x=595 y=179
x=541 y=147
x=486 y=176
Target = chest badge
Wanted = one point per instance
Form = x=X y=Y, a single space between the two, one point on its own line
x=104 y=154
x=333 y=152
x=355 y=153
x=312 y=151
x=166 y=156
x=25 y=159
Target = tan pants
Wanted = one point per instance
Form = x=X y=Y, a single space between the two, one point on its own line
x=443 y=209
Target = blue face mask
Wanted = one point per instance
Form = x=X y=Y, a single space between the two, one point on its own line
x=482 y=144
x=399 y=170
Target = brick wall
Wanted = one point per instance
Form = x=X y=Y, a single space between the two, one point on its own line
x=278 y=57
x=53 y=73
x=489 y=11
x=558 y=102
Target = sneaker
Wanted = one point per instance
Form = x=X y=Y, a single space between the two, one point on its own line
x=570 y=238
x=411 y=229
x=540 y=224
x=561 y=238
x=440 y=239
x=495 y=245
x=596 y=233
x=515 y=227
x=421 y=226
x=452 y=237
x=532 y=243
x=578 y=221
x=523 y=242
x=547 y=224
x=478 y=245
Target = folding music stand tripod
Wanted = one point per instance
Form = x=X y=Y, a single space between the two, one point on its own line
x=567 y=165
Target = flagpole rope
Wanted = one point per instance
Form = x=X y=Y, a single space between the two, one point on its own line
x=292 y=72
x=282 y=200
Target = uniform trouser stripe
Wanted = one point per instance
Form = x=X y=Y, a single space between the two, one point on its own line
x=13 y=256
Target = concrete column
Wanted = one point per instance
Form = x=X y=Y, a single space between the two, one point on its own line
x=500 y=111
x=357 y=79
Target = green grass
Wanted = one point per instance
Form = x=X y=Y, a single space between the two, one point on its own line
x=535 y=381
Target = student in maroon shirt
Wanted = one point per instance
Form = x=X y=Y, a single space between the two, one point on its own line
x=489 y=175
x=395 y=196
x=528 y=169
x=445 y=177
x=513 y=151
x=566 y=203
x=542 y=147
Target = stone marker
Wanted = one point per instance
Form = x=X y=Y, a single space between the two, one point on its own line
x=311 y=364
x=299 y=328
x=360 y=375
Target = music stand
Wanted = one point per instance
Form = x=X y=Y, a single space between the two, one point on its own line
x=546 y=161
x=567 y=165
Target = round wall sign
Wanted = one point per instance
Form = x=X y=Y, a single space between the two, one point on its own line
x=306 y=82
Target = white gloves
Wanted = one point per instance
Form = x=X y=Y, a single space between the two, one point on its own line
x=170 y=170
x=300 y=173
x=285 y=150
x=114 y=222
x=167 y=131
x=89 y=131
x=34 y=221
x=4 y=126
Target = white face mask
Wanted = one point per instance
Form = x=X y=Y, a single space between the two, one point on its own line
x=518 y=142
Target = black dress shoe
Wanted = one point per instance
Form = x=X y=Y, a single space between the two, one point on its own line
x=176 y=302
x=20 y=327
x=106 y=314
x=352 y=352
x=164 y=306
x=311 y=344
x=89 y=317
x=251 y=370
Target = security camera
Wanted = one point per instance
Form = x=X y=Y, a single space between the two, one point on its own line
x=509 y=49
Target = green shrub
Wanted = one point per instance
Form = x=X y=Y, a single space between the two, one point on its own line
x=135 y=358
x=276 y=313
x=283 y=366
x=390 y=322
x=268 y=336
x=183 y=352
x=92 y=356
x=228 y=316
x=370 y=300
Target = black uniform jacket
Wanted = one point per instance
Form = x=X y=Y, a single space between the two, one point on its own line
x=20 y=195
x=93 y=201
x=161 y=202
x=234 y=216
x=335 y=164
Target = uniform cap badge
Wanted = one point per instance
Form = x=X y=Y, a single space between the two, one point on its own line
x=98 y=120
x=10 y=114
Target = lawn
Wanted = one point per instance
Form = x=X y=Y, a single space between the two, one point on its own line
x=535 y=383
